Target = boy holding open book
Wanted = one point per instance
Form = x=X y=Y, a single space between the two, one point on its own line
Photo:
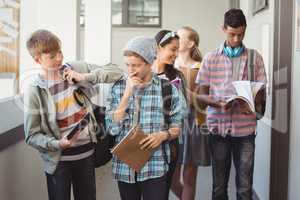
x=233 y=128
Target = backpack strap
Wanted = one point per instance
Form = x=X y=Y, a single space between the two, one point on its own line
x=250 y=65
x=166 y=90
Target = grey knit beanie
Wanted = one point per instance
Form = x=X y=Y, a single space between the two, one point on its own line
x=143 y=46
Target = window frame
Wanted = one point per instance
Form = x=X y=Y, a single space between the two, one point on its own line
x=125 y=17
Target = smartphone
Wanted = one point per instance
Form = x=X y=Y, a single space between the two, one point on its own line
x=63 y=67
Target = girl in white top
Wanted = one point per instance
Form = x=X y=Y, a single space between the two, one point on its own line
x=194 y=150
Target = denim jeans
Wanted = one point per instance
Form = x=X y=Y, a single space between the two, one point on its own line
x=152 y=189
x=241 y=149
x=80 y=174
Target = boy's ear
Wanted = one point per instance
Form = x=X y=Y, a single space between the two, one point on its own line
x=223 y=28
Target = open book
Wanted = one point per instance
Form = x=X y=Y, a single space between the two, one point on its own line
x=129 y=150
x=247 y=91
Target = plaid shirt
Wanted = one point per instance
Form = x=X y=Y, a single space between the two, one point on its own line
x=151 y=121
x=217 y=73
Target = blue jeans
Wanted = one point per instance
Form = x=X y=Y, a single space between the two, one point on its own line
x=241 y=149
x=80 y=174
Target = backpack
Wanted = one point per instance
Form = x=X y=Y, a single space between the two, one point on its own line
x=105 y=141
x=166 y=89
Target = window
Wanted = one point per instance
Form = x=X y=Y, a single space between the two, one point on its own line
x=9 y=47
x=136 y=13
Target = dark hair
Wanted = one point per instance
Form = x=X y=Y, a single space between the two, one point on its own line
x=234 y=18
x=170 y=72
x=194 y=36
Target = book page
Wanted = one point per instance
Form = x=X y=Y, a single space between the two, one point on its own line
x=243 y=88
x=233 y=99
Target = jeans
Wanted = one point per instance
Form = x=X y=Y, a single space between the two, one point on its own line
x=80 y=174
x=152 y=189
x=241 y=149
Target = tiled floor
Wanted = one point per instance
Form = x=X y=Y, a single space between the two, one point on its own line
x=107 y=187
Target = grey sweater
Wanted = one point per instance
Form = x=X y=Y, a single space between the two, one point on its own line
x=40 y=125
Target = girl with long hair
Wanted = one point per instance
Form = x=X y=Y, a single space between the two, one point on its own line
x=194 y=150
x=167 y=51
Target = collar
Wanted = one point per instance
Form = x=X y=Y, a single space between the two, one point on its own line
x=155 y=78
x=221 y=48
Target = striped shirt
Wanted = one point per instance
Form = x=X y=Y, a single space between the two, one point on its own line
x=217 y=73
x=151 y=121
x=68 y=115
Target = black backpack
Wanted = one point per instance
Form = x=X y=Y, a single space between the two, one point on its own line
x=105 y=142
x=166 y=88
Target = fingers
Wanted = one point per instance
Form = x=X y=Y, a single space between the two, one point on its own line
x=133 y=74
x=64 y=143
x=72 y=76
x=148 y=143
x=74 y=138
x=68 y=75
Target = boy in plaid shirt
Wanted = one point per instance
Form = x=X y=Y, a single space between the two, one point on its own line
x=150 y=182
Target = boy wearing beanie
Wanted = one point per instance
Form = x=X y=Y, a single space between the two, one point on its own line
x=150 y=182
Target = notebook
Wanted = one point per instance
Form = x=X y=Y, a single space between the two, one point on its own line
x=128 y=149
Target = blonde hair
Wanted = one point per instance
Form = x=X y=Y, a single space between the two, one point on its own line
x=193 y=36
x=42 y=41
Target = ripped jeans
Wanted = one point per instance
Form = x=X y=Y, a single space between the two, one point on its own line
x=241 y=150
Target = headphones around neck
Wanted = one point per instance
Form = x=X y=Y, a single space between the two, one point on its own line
x=233 y=52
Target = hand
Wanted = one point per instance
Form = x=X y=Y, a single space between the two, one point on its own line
x=64 y=143
x=244 y=108
x=223 y=105
x=71 y=76
x=132 y=82
x=241 y=107
x=153 y=140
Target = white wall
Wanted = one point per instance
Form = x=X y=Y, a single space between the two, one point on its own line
x=204 y=16
x=294 y=175
x=97 y=40
x=259 y=35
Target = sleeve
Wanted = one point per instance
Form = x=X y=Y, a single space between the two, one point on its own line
x=114 y=128
x=104 y=74
x=203 y=77
x=98 y=74
x=34 y=135
x=178 y=108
